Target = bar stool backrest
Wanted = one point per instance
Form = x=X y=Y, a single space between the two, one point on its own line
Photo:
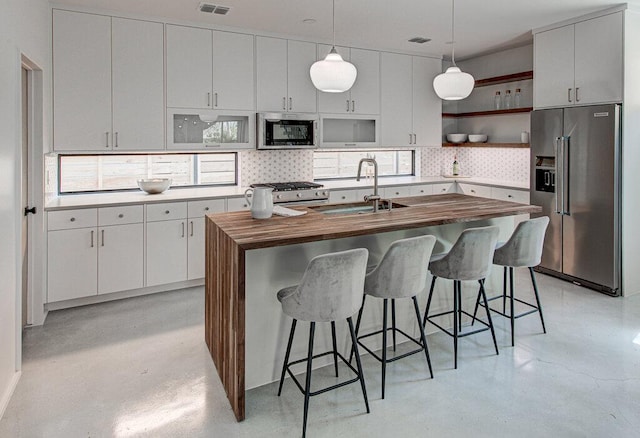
x=402 y=272
x=331 y=288
x=524 y=247
x=471 y=256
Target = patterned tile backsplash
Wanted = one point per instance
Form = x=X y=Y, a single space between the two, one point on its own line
x=505 y=164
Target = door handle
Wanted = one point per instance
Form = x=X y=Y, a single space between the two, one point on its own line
x=102 y=237
x=290 y=103
x=182 y=223
x=106 y=134
x=558 y=170
x=215 y=100
x=191 y=225
x=569 y=95
x=208 y=99
x=347 y=105
x=28 y=210
x=284 y=103
x=566 y=193
x=577 y=96
x=116 y=139
x=91 y=238
x=353 y=106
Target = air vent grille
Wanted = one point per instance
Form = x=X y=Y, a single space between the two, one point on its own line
x=209 y=8
x=419 y=40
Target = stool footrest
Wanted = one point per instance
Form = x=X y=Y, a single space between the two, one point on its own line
x=328 y=388
x=519 y=315
x=460 y=335
x=403 y=355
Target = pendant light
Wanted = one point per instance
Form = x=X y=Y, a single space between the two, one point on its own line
x=453 y=84
x=333 y=74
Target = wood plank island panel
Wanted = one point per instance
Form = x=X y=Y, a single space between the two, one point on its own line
x=229 y=236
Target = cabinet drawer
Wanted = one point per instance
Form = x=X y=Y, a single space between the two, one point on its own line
x=237 y=204
x=166 y=211
x=130 y=214
x=475 y=190
x=337 y=196
x=421 y=190
x=519 y=196
x=69 y=219
x=443 y=188
x=208 y=206
x=396 y=192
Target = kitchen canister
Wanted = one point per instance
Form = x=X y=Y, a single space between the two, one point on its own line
x=524 y=137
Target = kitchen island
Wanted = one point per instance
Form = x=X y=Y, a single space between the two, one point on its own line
x=248 y=261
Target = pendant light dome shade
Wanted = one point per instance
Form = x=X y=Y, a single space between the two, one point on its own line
x=333 y=74
x=453 y=84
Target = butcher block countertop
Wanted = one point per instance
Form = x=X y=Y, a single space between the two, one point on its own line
x=421 y=211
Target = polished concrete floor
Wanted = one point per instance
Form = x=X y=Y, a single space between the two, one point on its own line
x=140 y=368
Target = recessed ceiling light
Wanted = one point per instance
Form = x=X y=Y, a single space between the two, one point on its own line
x=419 y=40
x=309 y=20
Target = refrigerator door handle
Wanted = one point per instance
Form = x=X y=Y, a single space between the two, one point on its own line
x=566 y=145
x=558 y=173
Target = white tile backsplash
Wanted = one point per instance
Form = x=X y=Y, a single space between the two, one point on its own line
x=275 y=166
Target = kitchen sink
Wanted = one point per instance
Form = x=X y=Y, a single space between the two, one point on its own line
x=354 y=208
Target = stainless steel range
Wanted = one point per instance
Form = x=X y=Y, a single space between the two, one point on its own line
x=296 y=192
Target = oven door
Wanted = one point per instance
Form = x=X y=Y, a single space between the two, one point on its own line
x=287 y=131
x=303 y=203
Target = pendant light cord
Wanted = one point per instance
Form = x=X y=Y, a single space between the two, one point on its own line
x=453 y=26
x=333 y=13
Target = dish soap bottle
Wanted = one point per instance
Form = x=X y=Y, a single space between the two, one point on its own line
x=456 y=166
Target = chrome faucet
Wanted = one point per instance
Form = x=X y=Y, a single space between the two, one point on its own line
x=375 y=197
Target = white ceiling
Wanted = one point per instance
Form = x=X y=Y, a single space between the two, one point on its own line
x=481 y=25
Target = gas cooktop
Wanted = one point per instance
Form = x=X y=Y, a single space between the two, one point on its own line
x=296 y=191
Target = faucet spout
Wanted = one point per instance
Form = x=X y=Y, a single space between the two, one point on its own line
x=375 y=197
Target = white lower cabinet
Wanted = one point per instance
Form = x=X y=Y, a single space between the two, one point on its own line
x=474 y=190
x=120 y=258
x=237 y=204
x=72 y=264
x=396 y=192
x=440 y=188
x=512 y=195
x=166 y=252
x=196 y=237
x=421 y=190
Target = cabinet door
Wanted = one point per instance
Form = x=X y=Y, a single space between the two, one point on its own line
x=440 y=188
x=427 y=106
x=334 y=103
x=365 y=93
x=138 y=84
x=421 y=190
x=237 y=204
x=599 y=60
x=166 y=251
x=396 y=99
x=120 y=258
x=519 y=196
x=81 y=81
x=72 y=264
x=233 y=71
x=195 y=258
x=301 y=91
x=339 y=196
x=189 y=67
x=474 y=190
x=396 y=192
x=553 y=64
x=271 y=73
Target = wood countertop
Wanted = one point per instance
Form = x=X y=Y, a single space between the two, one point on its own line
x=421 y=211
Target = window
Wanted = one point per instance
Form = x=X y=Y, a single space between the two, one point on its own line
x=327 y=165
x=96 y=173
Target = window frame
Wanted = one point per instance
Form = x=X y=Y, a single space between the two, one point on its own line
x=371 y=151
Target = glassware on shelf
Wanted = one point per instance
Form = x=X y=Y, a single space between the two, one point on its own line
x=508 y=104
x=517 y=98
x=497 y=101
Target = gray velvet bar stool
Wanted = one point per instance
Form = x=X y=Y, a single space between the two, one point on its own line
x=401 y=273
x=522 y=250
x=469 y=259
x=331 y=289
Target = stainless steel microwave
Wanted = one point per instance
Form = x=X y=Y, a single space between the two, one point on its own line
x=287 y=131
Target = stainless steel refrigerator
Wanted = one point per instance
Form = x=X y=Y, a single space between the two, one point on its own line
x=575 y=178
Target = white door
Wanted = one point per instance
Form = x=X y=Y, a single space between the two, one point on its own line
x=72 y=259
x=599 y=59
x=301 y=91
x=334 y=103
x=120 y=258
x=138 y=84
x=233 y=71
x=81 y=81
x=189 y=67
x=365 y=93
x=271 y=74
x=196 y=248
x=166 y=250
x=396 y=99
x=553 y=63
x=427 y=106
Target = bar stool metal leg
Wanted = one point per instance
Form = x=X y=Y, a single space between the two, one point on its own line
x=426 y=310
x=486 y=307
x=286 y=356
x=354 y=342
x=307 y=387
x=455 y=324
x=512 y=315
x=335 y=348
x=384 y=344
x=535 y=291
x=504 y=290
x=358 y=324
x=393 y=322
x=422 y=336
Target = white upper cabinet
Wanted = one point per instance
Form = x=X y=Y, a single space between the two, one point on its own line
x=108 y=92
x=427 y=106
x=580 y=63
x=283 y=81
x=138 y=84
x=364 y=96
x=209 y=69
x=81 y=81
x=189 y=67
x=396 y=99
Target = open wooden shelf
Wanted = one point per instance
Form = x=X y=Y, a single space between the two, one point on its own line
x=486 y=145
x=488 y=113
x=505 y=79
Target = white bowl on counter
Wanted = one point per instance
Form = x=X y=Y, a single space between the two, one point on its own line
x=478 y=138
x=456 y=138
x=154 y=185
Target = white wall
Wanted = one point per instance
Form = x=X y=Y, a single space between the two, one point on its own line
x=24 y=29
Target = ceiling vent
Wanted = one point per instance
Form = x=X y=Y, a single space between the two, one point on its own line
x=208 y=8
x=419 y=40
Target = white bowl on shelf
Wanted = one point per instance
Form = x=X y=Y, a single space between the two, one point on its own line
x=456 y=138
x=478 y=138
x=154 y=185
